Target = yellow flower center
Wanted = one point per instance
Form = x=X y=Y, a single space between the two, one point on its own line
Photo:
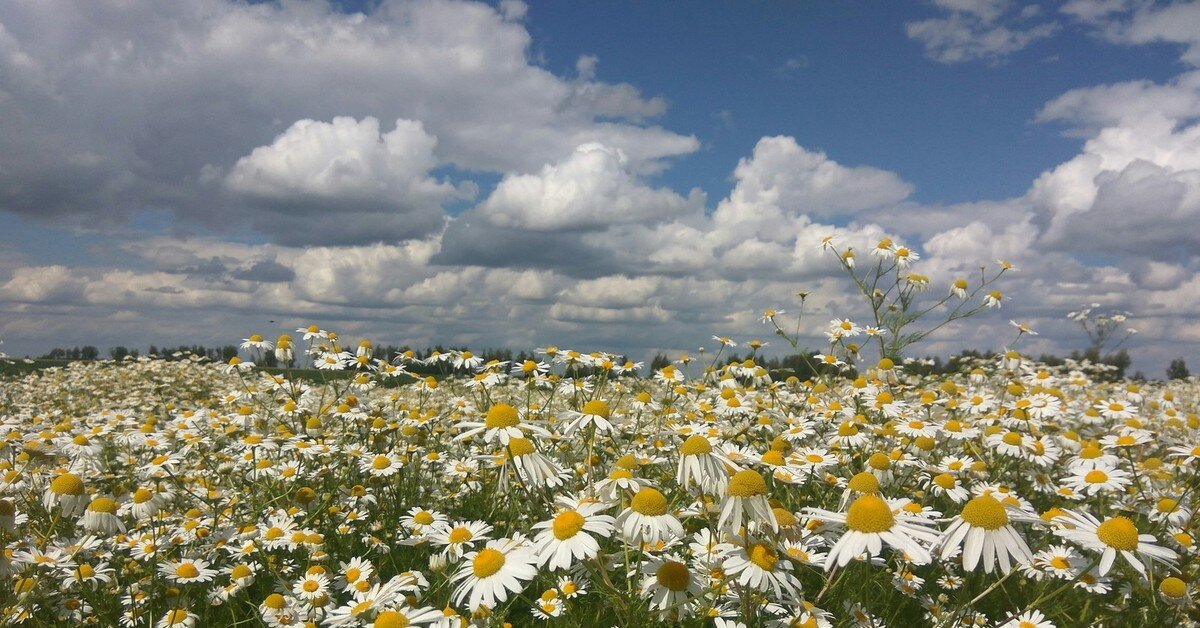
x=674 y=576
x=274 y=601
x=423 y=517
x=870 y=514
x=1095 y=476
x=1012 y=438
x=459 y=535
x=763 y=555
x=773 y=457
x=187 y=570
x=501 y=415
x=177 y=616
x=596 y=407
x=864 y=482
x=103 y=504
x=945 y=480
x=381 y=462
x=695 y=445
x=391 y=619
x=879 y=461
x=67 y=484
x=567 y=524
x=520 y=446
x=142 y=495
x=747 y=483
x=985 y=512
x=311 y=586
x=1173 y=588
x=487 y=562
x=1119 y=533
x=239 y=572
x=650 y=502
x=1166 y=505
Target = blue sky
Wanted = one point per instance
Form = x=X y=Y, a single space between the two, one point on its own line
x=181 y=171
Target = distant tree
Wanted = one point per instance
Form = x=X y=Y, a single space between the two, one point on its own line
x=228 y=351
x=118 y=352
x=1178 y=369
x=659 y=361
x=89 y=353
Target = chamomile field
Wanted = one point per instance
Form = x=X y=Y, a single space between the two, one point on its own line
x=568 y=490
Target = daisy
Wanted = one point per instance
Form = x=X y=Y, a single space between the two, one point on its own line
x=533 y=467
x=418 y=521
x=101 y=516
x=949 y=486
x=178 y=618
x=567 y=538
x=456 y=539
x=1028 y=619
x=490 y=574
x=746 y=503
x=187 y=570
x=314 y=585
x=595 y=413
x=869 y=523
x=648 y=518
x=501 y=423
x=1117 y=534
x=405 y=616
x=983 y=529
x=1097 y=479
x=670 y=584
x=66 y=491
x=756 y=565
x=700 y=465
x=380 y=465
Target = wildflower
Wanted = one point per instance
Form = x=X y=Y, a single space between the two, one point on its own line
x=869 y=523
x=745 y=502
x=490 y=574
x=567 y=538
x=187 y=571
x=1112 y=536
x=647 y=519
x=66 y=491
x=669 y=583
x=983 y=529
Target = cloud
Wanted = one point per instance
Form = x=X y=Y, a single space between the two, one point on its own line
x=1088 y=110
x=1139 y=23
x=344 y=160
x=782 y=178
x=115 y=106
x=978 y=29
x=591 y=189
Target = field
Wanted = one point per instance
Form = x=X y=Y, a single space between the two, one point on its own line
x=179 y=493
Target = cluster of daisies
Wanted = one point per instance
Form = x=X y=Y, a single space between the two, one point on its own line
x=573 y=491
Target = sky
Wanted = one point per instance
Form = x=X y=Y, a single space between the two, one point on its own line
x=622 y=176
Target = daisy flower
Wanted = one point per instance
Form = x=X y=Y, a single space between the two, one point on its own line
x=456 y=539
x=1028 y=619
x=756 y=565
x=983 y=529
x=187 y=570
x=648 y=518
x=701 y=465
x=595 y=412
x=490 y=574
x=567 y=538
x=746 y=503
x=1097 y=479
x=66 y=491
x=870 y=523
x=1110 y=537
x=669 y=583
x=501 y=423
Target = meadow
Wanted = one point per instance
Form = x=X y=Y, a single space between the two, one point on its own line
x=569 y=491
